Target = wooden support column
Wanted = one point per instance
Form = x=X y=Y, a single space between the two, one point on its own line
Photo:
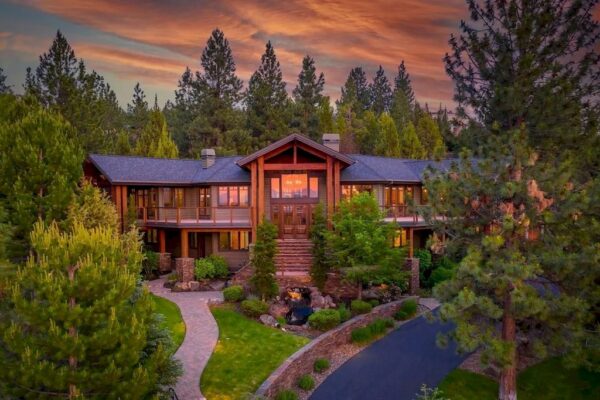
x=185 y=246
x=254 y=199
x=336 y=183
x=124 y=207
x=329 y=180
x=261 y=189
x=411 y=248
x=162 y=241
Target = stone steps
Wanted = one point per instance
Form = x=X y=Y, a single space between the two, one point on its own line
x=294 y=257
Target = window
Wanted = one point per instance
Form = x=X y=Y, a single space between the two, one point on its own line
x=167 y=197
x=275 y=189
x=314 y=187
x=233 y=196
x=424 y=196
x=351 y=190
x=400 y=239
x=151 y=236
x=233 y=240
x=397 y=195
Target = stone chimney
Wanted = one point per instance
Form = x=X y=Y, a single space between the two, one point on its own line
x=208 y=157
x=332 y=140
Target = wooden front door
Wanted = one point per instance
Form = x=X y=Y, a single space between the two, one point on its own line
x=292 y=219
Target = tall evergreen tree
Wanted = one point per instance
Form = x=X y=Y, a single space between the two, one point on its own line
x=529 y=52
x=388 y=141
x=367 y=136
x=355 y=92
x=75 y=329
x=325 y=115
x=263 y=260
x=182 y=113
x=348 y=125
x=40 y=165
x=430 y=137
x=402 y=84
x=4 y=88
x=380 y=92
x=137 y=111
x=307 y=97
x=410 y=145
x=62 y=82
x=267 y=101
x=155 y=140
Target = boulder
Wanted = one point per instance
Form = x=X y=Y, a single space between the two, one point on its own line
x=181 y=287
x=317 y=301
x=329 y=303
x=278 y=310
x=194 y=286
x=268 y=320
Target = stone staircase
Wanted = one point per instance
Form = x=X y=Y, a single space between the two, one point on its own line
x=294 y=257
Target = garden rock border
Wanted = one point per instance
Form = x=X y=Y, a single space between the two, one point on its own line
x=324 y=346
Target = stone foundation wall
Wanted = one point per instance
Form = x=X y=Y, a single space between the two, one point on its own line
x=412 y=265
x=164 y=262
x=185 y=269
x=324 y=346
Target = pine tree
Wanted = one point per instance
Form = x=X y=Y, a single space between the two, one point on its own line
x=508 y=290
x=4 y=88
x=123 y=144
x=318 y=237
x=367 y=136
x=402 y=84
x=155 y=140
x=76 y=327
x=410 y=146
x=430 y=137
x=267 y=101
x=388 y=141
x=183 y=112
x=263 y=260
x=62 y=82
x=307 y=97
x=529 y=52
x=137 y=111
x=325 y=115
x=348 y=125
x=380 y=93
x=355 y=92
x=92 y=208
x=40 y=165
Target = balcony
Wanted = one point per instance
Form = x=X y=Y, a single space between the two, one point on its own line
x=404 y=214
x=196 y=217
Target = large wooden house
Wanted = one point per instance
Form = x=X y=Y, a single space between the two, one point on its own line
x=193 y=208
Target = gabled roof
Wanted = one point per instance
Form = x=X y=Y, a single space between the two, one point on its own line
x=147 y=170
x=389 y=170
x=300 y=138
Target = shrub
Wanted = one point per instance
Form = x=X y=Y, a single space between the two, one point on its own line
x=371 y=331
x=172 y=277
x=263 y=260
x=150 y=263
x=345 y=314
x=407 y=310
x=286 y=395
x=360 y=307
x=204 y=269
x=324 y=320
x=281 y=321
x=220 y=265
x=233 y=294
x=254 y=308
x=321 y=364
x=306 y=382
x=374 y=302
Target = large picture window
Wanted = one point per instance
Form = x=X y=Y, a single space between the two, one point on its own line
x=233 y=240
x=295 y=186
x=397 y=195
x=348 y=191
x=233 y=196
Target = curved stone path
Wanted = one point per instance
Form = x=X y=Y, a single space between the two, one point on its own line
x=201 y=335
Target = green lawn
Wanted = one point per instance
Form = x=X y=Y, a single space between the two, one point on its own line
x=549 y=380
x=246 y=354
x=173 y=320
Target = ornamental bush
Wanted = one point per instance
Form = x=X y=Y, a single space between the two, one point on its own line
x=345 y=314
x=254 y=308
x=286 y=395
x=306 y=382
x=220 y=265
x=371 y=331
x=324 y=320
x=150 y=263
x=204 y=269
x=360 y=307
x=233 y=294
x=406 y=310
x=321 y=365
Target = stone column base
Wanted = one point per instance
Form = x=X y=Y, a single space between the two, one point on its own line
x=412 y=265
x=185 y=269
x=164 y=262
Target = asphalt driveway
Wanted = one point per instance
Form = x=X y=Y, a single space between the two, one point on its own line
x=395 y=367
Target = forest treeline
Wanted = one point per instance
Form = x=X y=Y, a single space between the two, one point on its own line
x=212 y=108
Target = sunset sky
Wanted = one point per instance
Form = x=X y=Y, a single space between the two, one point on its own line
x=153 y=41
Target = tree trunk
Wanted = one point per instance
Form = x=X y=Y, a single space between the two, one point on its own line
x=508 y=376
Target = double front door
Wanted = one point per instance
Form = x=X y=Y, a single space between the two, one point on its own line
x=293 y=220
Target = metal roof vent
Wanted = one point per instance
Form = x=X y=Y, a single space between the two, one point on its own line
x=208 y=157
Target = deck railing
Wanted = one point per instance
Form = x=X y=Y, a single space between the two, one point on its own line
x=403 y=213
x=195 y=215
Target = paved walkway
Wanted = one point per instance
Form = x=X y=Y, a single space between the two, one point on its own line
x=201 y=335
x=395 y=367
